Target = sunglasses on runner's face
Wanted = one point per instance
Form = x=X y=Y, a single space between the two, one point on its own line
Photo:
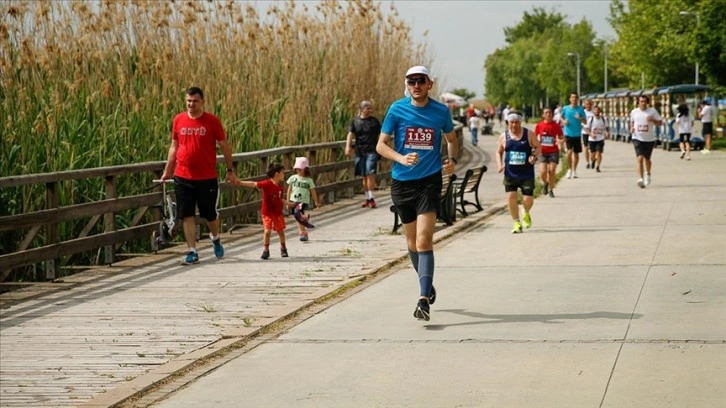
x=415 y=81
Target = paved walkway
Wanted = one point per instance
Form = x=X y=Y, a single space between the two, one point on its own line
x=613 y=298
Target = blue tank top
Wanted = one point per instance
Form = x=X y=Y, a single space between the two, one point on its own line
x=516 y=156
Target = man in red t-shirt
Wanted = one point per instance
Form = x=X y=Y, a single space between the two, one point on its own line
x=192 y=160
x=273 y=201
x=550 y=136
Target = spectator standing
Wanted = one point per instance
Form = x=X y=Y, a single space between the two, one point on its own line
x=643 y=120
x=549 y=134
x=365 y=128
x=192 y=161
x=415 y=125
x=517 y=152
x=301 y=189
x=474 y=124
x=706 y=115
x=684 y=123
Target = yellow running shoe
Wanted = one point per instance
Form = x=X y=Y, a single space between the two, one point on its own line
x=517 y=227
x=527 y=220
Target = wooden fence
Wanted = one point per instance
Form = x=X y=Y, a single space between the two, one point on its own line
x=110 y=222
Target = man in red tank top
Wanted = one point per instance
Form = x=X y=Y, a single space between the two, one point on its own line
x=192 y=160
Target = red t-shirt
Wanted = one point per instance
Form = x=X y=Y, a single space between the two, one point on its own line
x=271 y=198
x=196 y=154
x=547 y=134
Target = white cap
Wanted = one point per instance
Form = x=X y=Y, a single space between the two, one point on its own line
x=301 y=163
x=418 y=69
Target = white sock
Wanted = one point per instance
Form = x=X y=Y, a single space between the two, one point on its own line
x=369 y=194
x=213 y=237
x=192 y=250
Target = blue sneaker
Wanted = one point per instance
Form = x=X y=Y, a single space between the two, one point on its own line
x=218 y=248
x=191 y=258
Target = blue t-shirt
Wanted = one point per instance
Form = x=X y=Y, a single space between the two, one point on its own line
x=574 y=126
x=417 y=129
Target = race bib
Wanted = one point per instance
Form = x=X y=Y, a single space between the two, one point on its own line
x=419 y=138
x=642 y=128
x=517 y=158
x=597 y=131
x=548 y=140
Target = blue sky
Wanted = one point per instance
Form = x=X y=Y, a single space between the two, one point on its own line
x=462 y=33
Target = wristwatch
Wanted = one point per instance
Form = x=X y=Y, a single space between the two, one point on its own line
x=453 y=159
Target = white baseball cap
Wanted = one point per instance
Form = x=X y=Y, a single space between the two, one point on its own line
x=418 y=69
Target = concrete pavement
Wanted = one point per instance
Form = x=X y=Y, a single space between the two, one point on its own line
x=614 y=298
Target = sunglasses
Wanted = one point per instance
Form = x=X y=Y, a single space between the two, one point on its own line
x=416 y=81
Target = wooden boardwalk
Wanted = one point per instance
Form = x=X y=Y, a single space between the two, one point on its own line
x=64 y=344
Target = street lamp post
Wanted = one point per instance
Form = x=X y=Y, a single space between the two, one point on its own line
x=698 y=22
x=577 y=59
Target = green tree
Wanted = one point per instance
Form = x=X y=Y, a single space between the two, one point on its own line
x=710 y=44
x=533 y=24
x=464 y=93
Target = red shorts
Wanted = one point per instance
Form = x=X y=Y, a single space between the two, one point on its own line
x=275 y=223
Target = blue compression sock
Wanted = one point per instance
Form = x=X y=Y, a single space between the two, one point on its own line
x=413 y=256
x=426 y=272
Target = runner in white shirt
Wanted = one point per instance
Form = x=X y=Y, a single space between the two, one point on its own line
x=706 y=116
x=684 y=122
x=643 y=121
x=586 y=133
x=474 y=122
x=598 y=130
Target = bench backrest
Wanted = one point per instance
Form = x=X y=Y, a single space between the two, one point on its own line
x=472 y=178
x=447 y=181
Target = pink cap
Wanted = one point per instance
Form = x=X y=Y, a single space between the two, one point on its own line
x=301 y=163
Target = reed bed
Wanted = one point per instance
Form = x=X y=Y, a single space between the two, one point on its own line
x=96 y=83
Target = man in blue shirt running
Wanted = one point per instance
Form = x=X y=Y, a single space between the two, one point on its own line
x=573 y=117
x=415 y=124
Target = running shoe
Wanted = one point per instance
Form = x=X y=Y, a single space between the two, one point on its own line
x=545 y=189
x=705 y=151
x=574 y=174
x=640 y=183
x=527 y=220
x=422 y=311
x=283 y=252
x=432 y=295
x=646 y=180
x=552 y=194
x=303 y=236
x=218 y=248
x=683 y=154
x=569 y=174
x=265 y=254
x=366 y=204
x=372 y=203
x=688 y=158
x=598 y=169
x=588 y=165
x=517 y=228
x=191 y=258
x=593 y=165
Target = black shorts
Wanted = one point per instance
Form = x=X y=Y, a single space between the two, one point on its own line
x=574 y=144
x=414 y=197
x=707 y=128
x=597 y=146
x=191 y=194
x=644 y=149
x=585 y=140
x=685 y=137
x=512 y=184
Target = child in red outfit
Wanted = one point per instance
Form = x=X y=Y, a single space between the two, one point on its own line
x=272 y=206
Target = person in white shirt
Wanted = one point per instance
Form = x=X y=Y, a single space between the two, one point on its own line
x=586 y=132
x=684 y=122
x=474 y=122
x=706 y=116
x=643 y=121
x=598 y=130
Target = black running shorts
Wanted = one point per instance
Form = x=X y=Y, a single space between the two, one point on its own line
x=414 y=197
x=644 y=149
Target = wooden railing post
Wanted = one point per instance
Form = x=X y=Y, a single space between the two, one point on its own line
x=109 y=223
x=51 y=203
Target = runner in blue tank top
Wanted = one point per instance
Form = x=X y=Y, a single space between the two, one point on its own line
x=415 y=125
x=516 y=154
